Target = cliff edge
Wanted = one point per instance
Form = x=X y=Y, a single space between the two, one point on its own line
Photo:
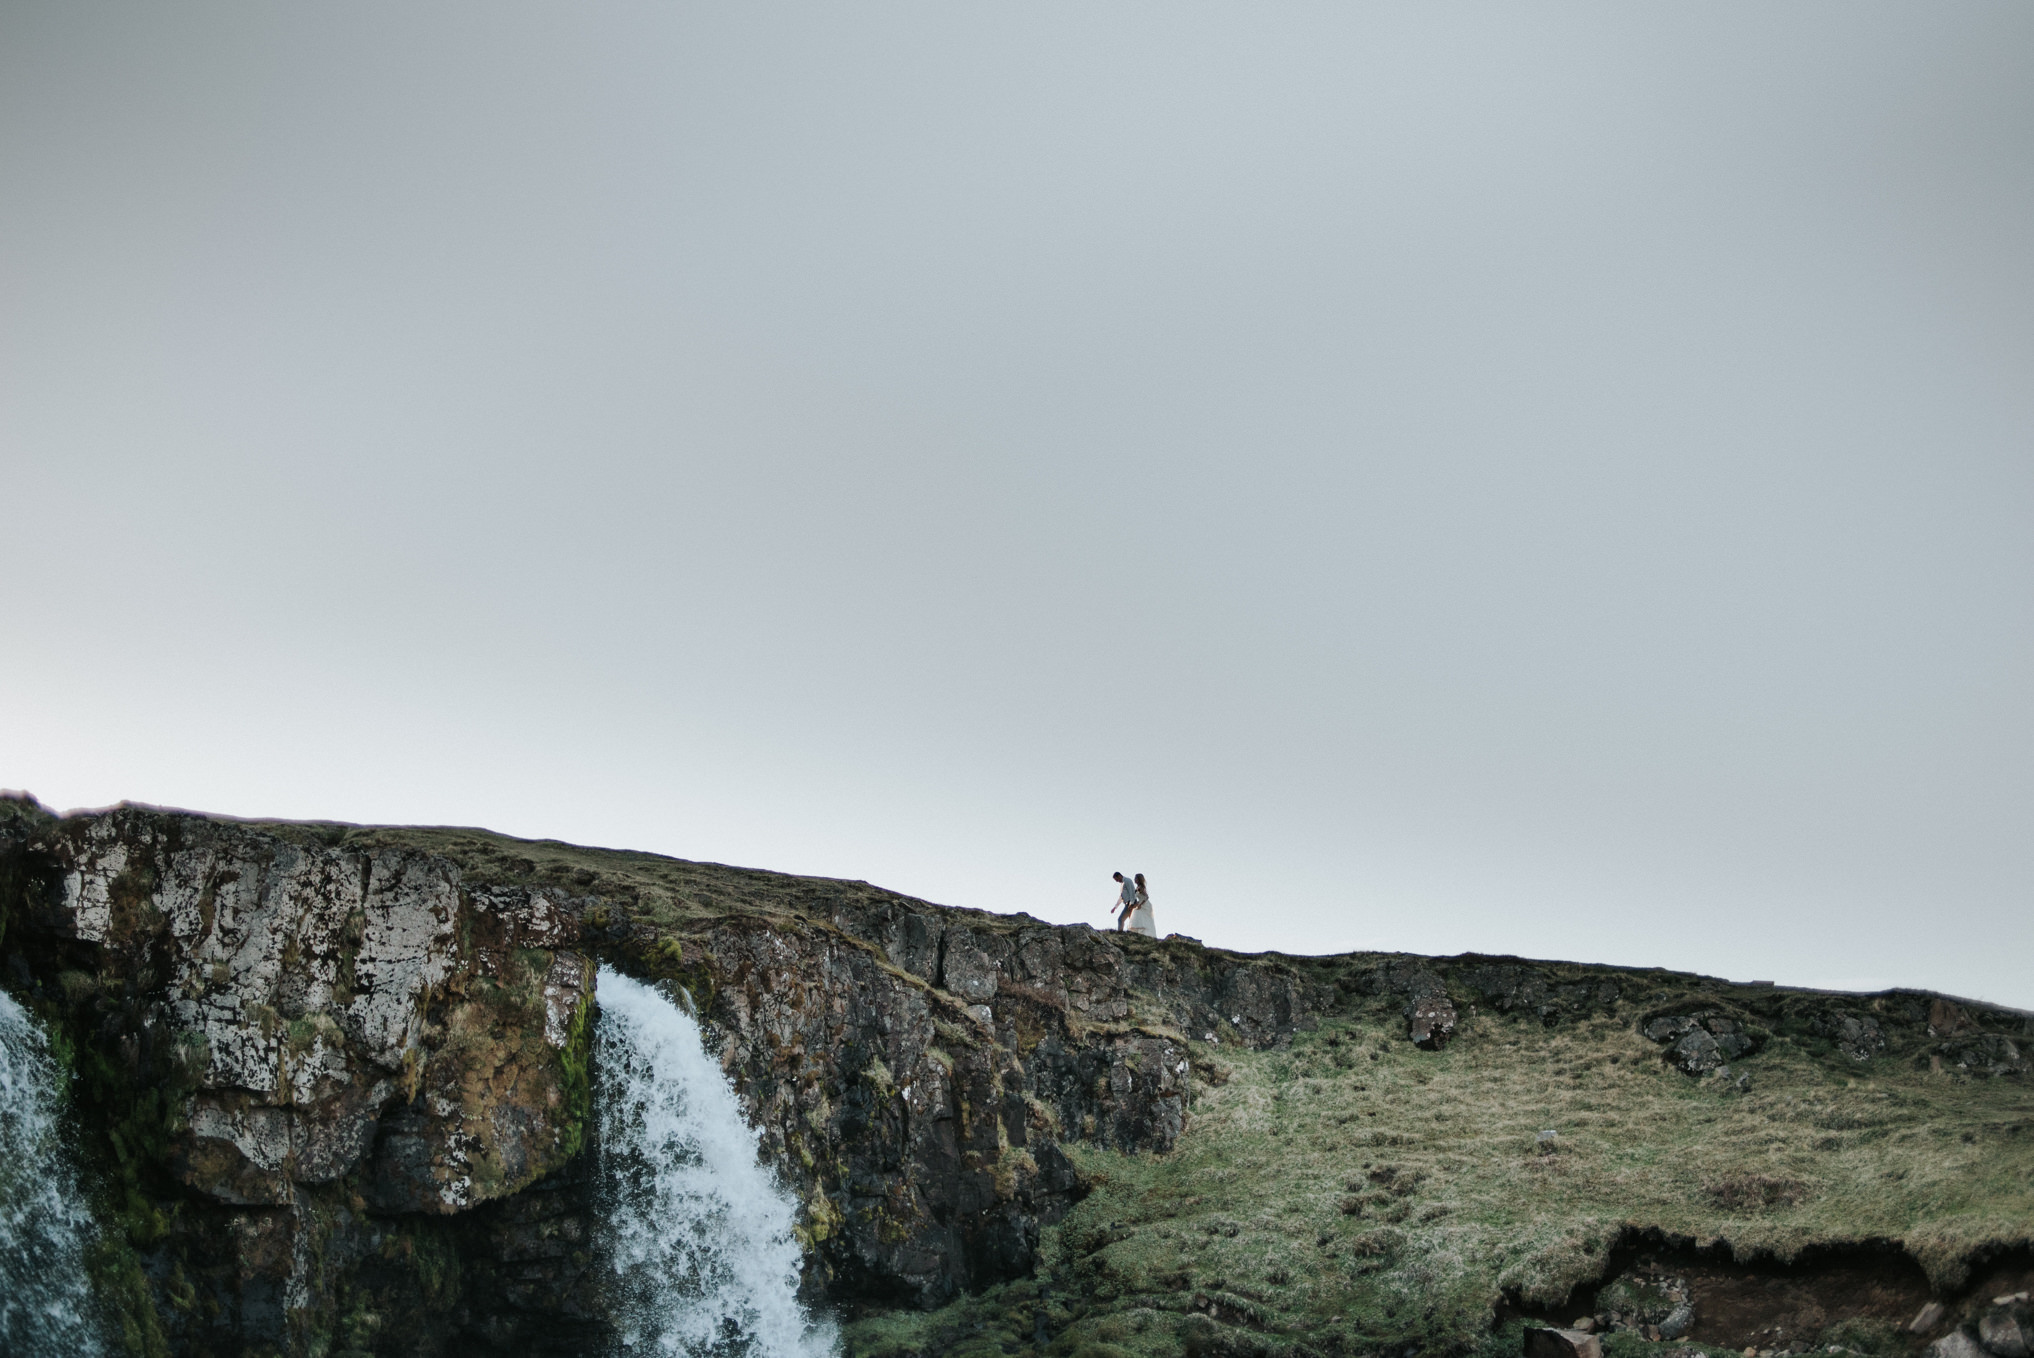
x=334 y=1084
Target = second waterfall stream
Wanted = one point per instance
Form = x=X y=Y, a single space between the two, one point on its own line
x=696 y=1228
x=45 y=1229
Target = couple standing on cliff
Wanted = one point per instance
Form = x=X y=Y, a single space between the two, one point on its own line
x=1133 y=906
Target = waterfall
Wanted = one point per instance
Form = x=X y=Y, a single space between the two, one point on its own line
x=45 y=1300
x=695 y=1227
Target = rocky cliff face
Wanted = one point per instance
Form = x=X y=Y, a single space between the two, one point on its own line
x=284 y=1043
x=342 y=1084
x=335 y=1080
x=915 y=1069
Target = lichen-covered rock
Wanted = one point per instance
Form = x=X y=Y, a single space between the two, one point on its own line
x=1429 y=1013
x=295 y=1032
x=311 y=993
x=1430 y=1021
x=1697 y=1044
x=1512 y=987
x=1956 y=1344
x=1981 y=1055
x=1857 y=1036
x=2006 y=1328
x=915 y=1077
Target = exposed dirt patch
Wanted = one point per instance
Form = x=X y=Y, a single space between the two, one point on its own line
x=1667 y=1289
x=2001 y=1276
x=2013 y=1272
x=1775 y=1308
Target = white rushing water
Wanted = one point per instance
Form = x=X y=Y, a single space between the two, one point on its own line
x=45 y=1301
x=696 y=1228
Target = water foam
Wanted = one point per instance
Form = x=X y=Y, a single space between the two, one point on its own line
x=696 y=1229
x=45 y=1301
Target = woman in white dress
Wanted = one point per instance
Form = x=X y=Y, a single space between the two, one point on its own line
x=1140 y=916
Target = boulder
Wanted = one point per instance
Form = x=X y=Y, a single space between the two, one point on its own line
x=1697 y=1044
x=1957 y=1344
x=2007 y=1329
x=1430 y=1021
x=1696 y=1052
x=1429 y=1013
x=1562 y=1344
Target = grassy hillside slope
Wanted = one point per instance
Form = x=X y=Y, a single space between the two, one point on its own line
x=1352 y=1193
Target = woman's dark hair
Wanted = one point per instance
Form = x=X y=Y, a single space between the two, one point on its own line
x=1140 y=879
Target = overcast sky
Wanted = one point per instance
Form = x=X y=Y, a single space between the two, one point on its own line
x=1514 y=478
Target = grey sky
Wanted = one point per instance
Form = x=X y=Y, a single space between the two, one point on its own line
x=1515 y=478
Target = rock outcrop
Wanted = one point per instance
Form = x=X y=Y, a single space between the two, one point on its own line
x=2006 y=1328
x=1697 y=1044
x=1516 y=988
x=916 y=1068
x=1857 y=1036
x=298 y=1036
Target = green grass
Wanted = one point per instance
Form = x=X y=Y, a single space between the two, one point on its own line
x=1355 y=1194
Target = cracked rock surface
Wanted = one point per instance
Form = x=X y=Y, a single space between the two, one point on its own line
x=288 y=1036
